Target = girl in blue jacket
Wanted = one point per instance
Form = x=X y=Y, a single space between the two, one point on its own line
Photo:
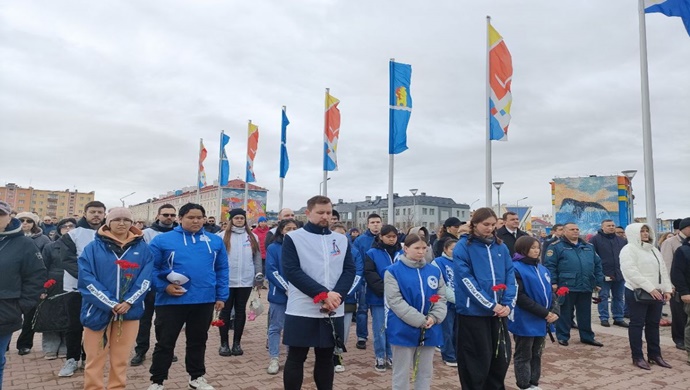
x=532 y=312
x=383 y=253
x=482 y=263
x=445 y=264
x=277 y=293
x=114 y=277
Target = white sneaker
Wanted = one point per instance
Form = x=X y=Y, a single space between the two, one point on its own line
x=273 y=366
x=535 y=387
x=339 y=368
x=68 y=369
x=452 y=364
x=156 y=386
x=200 y=384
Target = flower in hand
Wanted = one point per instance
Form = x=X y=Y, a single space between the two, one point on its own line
x=499 y=287
x=320 y=299
x=124 y=264
x=562 y=291
x=434 y=298
x=217 y=322
x=50 y=283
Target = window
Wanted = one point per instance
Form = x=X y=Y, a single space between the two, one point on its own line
x=404 y=211
x=397 y=211
x=463 y=214
x=431 y=225
x=432 y=211
x=457 y=213
x=424 y=210
x=424 y=224
x=21 y=194
x=22 y=201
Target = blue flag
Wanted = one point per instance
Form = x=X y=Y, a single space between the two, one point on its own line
x=284 y=160
x=400 y=106
x=224 y=163
x=679 y=8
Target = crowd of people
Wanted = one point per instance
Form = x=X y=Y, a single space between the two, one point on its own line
x=463 y=291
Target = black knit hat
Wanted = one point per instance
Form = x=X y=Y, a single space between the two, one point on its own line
x=685 y=222
x=236 y=212
x=676 y=224
x=452 y=221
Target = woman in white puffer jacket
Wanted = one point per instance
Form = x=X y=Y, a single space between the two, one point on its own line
x=643 y=268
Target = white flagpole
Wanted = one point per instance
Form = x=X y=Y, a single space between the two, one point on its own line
x=489 y=191
x=282 y=179
x=220 y=187
x=198 y=173
x=246 y=173
x=391 y=159
x=650 y=197
x=325 y=140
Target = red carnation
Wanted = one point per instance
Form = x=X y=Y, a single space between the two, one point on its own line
x=124 y=264
x=50 y=283
x=322 y=296
x=218 y=323
x=562 y=291
x=499 y=287
x=129 y=276
x=434 y=298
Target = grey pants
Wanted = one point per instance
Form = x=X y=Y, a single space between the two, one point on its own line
x=527 y=360
x=403 y=366
x=54 y=342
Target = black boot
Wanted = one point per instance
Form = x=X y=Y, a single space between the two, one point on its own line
x=224 y=349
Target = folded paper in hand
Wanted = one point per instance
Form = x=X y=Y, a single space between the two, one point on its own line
x=177 y=278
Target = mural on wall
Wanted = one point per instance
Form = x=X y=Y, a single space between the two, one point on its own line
x=586 y=201
x=234 y=198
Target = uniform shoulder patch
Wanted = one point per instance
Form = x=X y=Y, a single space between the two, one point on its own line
x=549 y=252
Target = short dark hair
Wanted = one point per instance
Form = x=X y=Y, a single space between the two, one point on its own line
x=412 y=239
x=189 y=207
x=372 y=216
x=94 y=204
x=281 y=226
x=449 y=242
x=556 y=226
x=336 y=214
x=606 y=220
x=166 y=206
x=507 y=213
x=388 y=229
x=620 y=227
x=524 y=244
x=338 y=225
x=318 y=199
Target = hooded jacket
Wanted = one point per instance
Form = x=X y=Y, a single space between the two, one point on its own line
x=680 y=268
x=277 y=285
x=576 y=266
x=103 y=283
x=641 y=262
x=479 y=264
x=376 y=261
x=244 y=263
x=409 y=285
x=364 y=242
x=429 y=256
x=156 y=229
x=199 y=256
x=21 y=278
x=608 y=247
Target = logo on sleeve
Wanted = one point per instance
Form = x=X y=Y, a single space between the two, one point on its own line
x=432 y=281
x=549 y=252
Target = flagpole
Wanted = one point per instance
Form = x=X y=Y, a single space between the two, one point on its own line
x=487 y=179
x=391 y=156
x=650 y=197
x=325 y=141
x=246 y=174
x=282 y=179
x=198 y=173
x=220 y=187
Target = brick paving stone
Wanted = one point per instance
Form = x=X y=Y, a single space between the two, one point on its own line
x=577 y=366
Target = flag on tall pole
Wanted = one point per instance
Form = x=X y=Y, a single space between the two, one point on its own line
x=202 y=172
x=330 y=138
x=400 y=106
x=284 y=160
x=252 y=147
x=224 y=171
x=680 y=8
x=500 y=78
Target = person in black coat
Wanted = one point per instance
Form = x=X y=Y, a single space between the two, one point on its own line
x=450 y=229
x=608 y=246
x=510 y=232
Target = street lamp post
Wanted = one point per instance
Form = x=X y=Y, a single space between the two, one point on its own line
x=472 y=204
x=517 y=202
x=123 y=198
x=321 y=186
x=630 y=173
x=498 y=185
x=414 y=205
x=659 y=223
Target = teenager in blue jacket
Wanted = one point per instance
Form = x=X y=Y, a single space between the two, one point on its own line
x=532 y=313
x=481 y=263
x=277 y=293
x=445 y=264
x=114 y=277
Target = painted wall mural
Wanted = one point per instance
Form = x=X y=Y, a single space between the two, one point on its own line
x=234 y=198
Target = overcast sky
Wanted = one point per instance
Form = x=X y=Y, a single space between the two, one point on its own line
x=113 y=96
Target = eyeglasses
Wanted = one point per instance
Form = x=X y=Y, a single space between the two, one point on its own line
x=26 y=220
x=122 y=220
x=169 y=215
x=67 y=226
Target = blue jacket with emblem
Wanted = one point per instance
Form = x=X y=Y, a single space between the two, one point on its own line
x=576 y=266
x=103 y=284
x=199 y=256
x=535 y=298
x=351 y=297
x=364 y=242
x=480 y=264
x=409 y=286
x=376 y=261
x=277 y=285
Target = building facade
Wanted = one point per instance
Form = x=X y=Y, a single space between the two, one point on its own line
x=217 y=202
x=58 y=204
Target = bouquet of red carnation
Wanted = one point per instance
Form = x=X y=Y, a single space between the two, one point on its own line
x=217 y=322
x=433 y=299
x=320 y=299
x=126 y=279
x=48 y=284
x=499 y=290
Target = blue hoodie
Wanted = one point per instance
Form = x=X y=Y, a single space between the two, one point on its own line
x=478 y=266
x=364 y=242
x=199 y=256
x=101 y=280
x=351 y=297
x=277 y=285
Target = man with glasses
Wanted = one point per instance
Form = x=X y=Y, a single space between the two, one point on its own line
x=210 y=226
x=165 y=222
x=75 y=241
x=47 y=225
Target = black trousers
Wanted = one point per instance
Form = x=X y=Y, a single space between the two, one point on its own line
x=238 y=298
x=647 y=316
x=26 y=337
x=169 y=322
x=527 y=360
x=582 y=303
x=73 y=335
x=480 y=367
x=293 y=374
x=144 y=335
x=678 y=320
